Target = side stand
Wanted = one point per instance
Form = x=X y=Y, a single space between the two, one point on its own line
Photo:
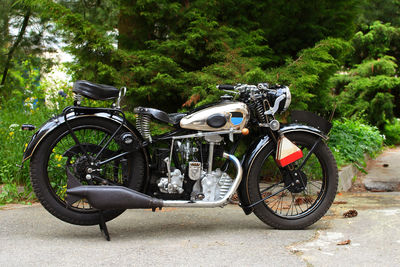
x=103 y=226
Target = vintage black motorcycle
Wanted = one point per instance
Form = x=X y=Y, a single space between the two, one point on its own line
x=88 y=164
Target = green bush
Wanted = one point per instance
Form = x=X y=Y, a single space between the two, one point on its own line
x=369 y=87
x=368 y=91
x=309 y=74
x=351 y=139
x=392 y=132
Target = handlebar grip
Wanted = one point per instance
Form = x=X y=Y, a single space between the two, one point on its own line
x=225 y=87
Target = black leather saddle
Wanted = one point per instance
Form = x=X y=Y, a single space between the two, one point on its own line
x=172 y=118
x=95 y=91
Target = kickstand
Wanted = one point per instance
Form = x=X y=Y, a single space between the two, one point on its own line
x=103 y=226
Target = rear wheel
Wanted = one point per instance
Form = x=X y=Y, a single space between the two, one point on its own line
x=59 y=152
x=296 y=196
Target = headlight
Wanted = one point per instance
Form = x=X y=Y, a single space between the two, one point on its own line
x=288 y=98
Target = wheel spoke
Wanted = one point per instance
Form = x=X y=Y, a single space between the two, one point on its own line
x=312 y=183
x=300 y=207
x=309 y=154
x=279 y=203
x=272 y=186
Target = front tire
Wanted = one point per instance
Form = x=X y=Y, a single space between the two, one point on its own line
x=59 y=151
x=298 y=206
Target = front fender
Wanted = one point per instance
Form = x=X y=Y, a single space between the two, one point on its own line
x=259 y=144
x=58 y=120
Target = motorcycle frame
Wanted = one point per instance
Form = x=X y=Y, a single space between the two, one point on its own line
x=75 y=112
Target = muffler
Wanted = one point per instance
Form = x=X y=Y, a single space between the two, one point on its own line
x=113 y=197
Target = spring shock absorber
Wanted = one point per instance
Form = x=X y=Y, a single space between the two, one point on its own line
x=143 y=126
x=259 y=107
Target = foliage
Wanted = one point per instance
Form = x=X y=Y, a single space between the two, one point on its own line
x=169 y=52
x=392 y=132
x=293 y=26
x=382 y=10
x=375 y=41
x=26 y=36
x=368 y=91
x=369 y=87
x=308 y=75
x=10 y=193
x=351 y=139
x=31 y=107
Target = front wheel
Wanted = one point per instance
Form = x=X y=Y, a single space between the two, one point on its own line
x=298 y=195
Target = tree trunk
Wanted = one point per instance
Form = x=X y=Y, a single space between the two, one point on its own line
x=15 y=45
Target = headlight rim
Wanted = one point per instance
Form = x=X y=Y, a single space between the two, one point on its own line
x=288 y=99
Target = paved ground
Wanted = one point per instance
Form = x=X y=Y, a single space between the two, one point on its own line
x=384 y=172
x=374 y=234
x=30 y=236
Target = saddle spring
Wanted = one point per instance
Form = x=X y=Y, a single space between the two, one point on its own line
x=143 y=126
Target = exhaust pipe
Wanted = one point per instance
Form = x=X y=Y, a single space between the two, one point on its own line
x=114 y=197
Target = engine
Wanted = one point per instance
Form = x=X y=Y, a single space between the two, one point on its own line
x=211 y=186
x=197 y=160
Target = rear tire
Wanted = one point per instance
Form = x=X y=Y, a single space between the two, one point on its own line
x=293 y=208
x=58 y=150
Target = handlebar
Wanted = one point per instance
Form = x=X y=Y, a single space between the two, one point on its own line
x=226 y=87
x=244 y=87
x=274 y=94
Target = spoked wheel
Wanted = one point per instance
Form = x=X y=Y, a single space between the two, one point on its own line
x=298 y=195
x=60 y=153
x=79 y=165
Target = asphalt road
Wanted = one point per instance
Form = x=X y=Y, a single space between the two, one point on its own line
x=30 y=236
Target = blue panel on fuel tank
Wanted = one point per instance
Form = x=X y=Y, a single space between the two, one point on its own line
x=236 y=120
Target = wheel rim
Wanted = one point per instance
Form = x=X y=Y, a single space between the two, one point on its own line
x=65 y=153
x=290 y=203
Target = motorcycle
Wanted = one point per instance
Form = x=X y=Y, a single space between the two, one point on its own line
x=88 y=165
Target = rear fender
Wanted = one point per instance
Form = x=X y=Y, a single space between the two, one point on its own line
x=59 y=120
x=256 y=147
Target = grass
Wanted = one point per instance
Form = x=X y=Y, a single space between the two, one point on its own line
x=13 y=114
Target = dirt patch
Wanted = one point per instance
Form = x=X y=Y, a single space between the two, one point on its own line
x=358 y=184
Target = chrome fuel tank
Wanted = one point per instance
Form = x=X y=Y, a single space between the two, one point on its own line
x=222 y=116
